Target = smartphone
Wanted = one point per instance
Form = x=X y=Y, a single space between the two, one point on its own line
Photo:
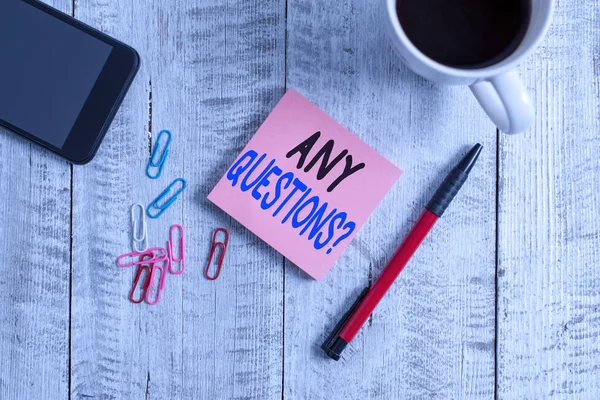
x=61 y=81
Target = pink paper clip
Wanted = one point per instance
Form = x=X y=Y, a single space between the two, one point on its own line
x=215 y=245
x=172 y=257
x=159 y=254
x=161 y=283
x=140 y=270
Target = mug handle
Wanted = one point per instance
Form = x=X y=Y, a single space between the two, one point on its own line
x=506 y=101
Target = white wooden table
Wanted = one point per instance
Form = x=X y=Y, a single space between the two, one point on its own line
x=502 y=300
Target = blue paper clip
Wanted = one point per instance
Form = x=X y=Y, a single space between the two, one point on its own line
x=163 y=207
x=152 y=163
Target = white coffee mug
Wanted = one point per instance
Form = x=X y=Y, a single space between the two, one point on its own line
x=497 y=87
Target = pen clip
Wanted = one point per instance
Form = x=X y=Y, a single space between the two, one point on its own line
x=330 y=346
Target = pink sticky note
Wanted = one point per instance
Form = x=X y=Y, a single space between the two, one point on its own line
x=304 y=184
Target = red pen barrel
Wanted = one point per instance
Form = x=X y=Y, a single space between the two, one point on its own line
x=388 y=275
x=355 y=318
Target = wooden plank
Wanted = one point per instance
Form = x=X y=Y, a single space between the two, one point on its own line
x=116 y=344
x=234 y=75
x=210 y=73
x=34 y=288
x=549 y=291
x=433 y=335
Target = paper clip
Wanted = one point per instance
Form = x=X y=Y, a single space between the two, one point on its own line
x=172 y=257
x=161 y=283
x=152 y=163
x=213 y=249
x=144 y=231
x=162 y=208
x=140 y=270
x=159 y=254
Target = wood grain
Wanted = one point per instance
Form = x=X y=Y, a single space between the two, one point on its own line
x=234 y=66
x=119 y=349
x=548 y=280
x=34 y=272
x=210 y=73
x=433 y=335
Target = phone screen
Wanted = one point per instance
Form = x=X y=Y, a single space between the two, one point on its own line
x=47 y=71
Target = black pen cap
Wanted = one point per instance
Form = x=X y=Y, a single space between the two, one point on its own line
x=453 y=182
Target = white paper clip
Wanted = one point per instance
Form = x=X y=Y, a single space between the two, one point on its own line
x=143 y=239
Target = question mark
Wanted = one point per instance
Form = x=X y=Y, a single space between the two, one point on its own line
x=351 y=225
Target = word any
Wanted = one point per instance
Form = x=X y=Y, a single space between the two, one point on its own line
x=325 y=168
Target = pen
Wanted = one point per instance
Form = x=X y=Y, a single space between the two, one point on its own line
x=354 y=319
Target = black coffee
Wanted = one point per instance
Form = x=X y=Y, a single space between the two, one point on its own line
x=465 y=33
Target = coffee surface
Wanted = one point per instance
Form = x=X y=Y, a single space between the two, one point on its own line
x=465 y=33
